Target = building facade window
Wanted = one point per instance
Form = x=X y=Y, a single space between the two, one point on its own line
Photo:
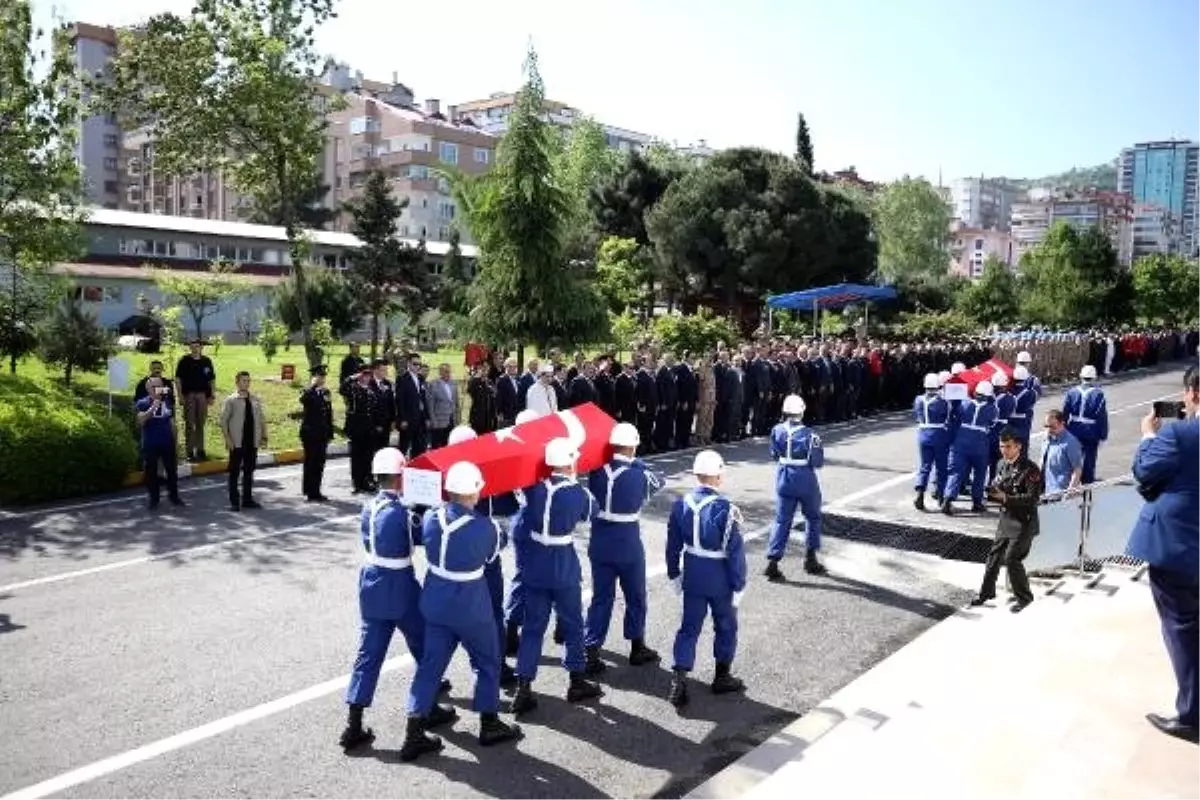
x=483 y=156
x=979 y=244
x=448 y=152
x=364 y=125
x=446 y=210
x=110 y=140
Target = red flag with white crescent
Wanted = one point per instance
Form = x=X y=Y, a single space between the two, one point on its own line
x=514 y=458
x=986 y=371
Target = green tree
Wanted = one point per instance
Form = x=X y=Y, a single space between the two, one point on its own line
x=580 y=167
x=308 y=208
x=526 y=290
x=272 y=334
x=201 y=294
x=40 y=186
x=1165 y=288
x=74 y=340
x=804 y=148
x=992 y=298
x=1063 y=282
x=386 y=272
x=622 y=267
x=232 y=87
x=330 y=297
x=694 y=333
x=912 y=223
x=456 y=280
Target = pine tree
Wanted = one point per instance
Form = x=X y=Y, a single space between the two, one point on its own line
x=804 y=148
x=75 y=340
x=456 y=280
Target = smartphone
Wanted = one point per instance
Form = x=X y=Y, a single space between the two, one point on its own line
x=1168 y=409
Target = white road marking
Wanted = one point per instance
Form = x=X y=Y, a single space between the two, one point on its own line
x=121 y=761
x=187 y=551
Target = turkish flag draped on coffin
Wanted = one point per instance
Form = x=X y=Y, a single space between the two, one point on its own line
x=513 y=458
x=984 y=372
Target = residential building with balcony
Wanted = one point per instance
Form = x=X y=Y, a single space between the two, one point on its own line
x=1165 y=174
x=411 y=146
x=1154 y=230
x=981 y=203
x=971 y=247
x=1111 y=211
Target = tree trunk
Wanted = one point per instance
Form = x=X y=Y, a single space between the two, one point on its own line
x=374 y=332
x=12 y=364
x=520 y=357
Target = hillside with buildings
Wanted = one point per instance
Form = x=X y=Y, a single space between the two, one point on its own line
x=1102 y=177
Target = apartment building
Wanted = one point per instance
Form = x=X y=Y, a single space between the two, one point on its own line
x=410 y=145
x=149 y=190
x=1165 y=174
x=982 y=203
x=1155 y=230
x=1112 y=211
x=972 y=246
x=98 y=148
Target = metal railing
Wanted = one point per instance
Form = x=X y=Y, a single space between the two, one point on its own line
x=1085 y=526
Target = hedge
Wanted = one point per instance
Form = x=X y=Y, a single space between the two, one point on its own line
x=56 y=444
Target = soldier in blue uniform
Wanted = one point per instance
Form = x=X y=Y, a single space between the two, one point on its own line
x=797 y=452
x=551 y=576
x=1087 y=419
x=1005 y=405
x=933 y=417
x=500 y=509
x=388 y=591
x=706 y=564
x=514 y=604
x=1025 y=360
x=1025 y=397
x=457 y=609
x=615 y=548
x=969 y=453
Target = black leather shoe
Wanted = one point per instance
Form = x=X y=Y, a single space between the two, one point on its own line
x=980 y=600
x=1171 y=726
x=1019 y=606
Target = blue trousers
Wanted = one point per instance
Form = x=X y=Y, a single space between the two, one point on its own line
x=567 y=603
x=605 y=575
x=933 y=456
x=514 y=606
x=963 y=462
x=1177 y=598
x=785 y=513
x=1090 y=451
x=494 y=574
x=725 y=627
x=373 y=649
x=478 y=638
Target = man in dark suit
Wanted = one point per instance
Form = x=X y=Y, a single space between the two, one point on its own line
x=508 y=395
x=625 y=394
x=385 y=402
x=412 y=413
x=668 y=400
x=582 y=388
x=348 y=372
x=606 y=390
x=1167 y=467
x=688 y=395
x=647 y=405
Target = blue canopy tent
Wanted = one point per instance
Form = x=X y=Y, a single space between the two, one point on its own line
x=830 y=297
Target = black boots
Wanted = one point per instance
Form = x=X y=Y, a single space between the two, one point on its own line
x=508 y=676
x=493 y=731
x=523 y=701
x=355 y=735
x=773 y=573
x=919 y=501
x=440 y=715
x=582 y=689
x=639 y=654
x=417 y=742
x=444 y=686
x=724 y=682
x=512 y=639
x=678 y=696
x=594 y=666
x=812 y=566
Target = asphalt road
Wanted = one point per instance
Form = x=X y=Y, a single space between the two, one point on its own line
x=203 y=653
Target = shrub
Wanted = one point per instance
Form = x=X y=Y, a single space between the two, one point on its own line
x=55 y=444
x=697 y=333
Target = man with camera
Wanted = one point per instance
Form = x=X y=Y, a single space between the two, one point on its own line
x=1167 y=468
x=154 y=419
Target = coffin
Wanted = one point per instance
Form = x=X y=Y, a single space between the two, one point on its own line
x=513 y=458
x=984 y=372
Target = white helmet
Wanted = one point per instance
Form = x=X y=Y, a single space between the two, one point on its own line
x=561 y=453
x=793 y=405
x=958 y=367
x=388 y=461
x=464 y=478
x=708 y=462
x=1088 y=373
x=985 y=388
x=528 y=415
x=999 y=379
x=624 y=435
x=932 y=381
x=1020 y=374
x=1023 y=357
x=463 y=433
x=943 y=376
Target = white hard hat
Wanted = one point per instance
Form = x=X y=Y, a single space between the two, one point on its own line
x=943 y=376
x=708 y=462
x=999 y=379
x=561 y=453
x=464 y=478
x=793 y=404
x=932 y=381
x=463 y=433
x=1088 y=373
x=985 y=388
x=1020 y=374
x=1023 y=357
x=528 y=415
x=958 y=367
x=388 y=461
x=624 y=435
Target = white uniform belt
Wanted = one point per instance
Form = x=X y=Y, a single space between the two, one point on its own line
x=457 y=577
x=932 y=425
x=1016 y=416
x=702 y=553
x=553 y=541
x=1084 y=420
x=387 y=563
x=979 y=428
x=612 y=516
x=793 y=462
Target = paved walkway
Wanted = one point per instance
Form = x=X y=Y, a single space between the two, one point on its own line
x=1047 y=703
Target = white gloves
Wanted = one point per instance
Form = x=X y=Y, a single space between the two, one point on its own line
x=677 y=585
x=737 y=598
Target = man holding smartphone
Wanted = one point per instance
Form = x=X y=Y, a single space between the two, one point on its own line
x=154 y=419
x=1167 y=537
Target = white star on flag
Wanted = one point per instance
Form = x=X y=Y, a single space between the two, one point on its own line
x=508 y=433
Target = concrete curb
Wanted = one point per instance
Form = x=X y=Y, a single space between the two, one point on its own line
x=268 y=459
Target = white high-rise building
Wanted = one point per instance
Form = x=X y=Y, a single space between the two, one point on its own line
x=980 y=203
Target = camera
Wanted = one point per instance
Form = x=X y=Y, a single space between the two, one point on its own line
x=1168 y=409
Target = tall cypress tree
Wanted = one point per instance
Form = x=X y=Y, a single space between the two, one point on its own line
x=804 y=148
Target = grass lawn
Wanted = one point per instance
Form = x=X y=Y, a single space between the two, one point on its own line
x=280 y=398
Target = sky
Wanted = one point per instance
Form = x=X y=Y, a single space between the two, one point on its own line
x=1023 y=88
